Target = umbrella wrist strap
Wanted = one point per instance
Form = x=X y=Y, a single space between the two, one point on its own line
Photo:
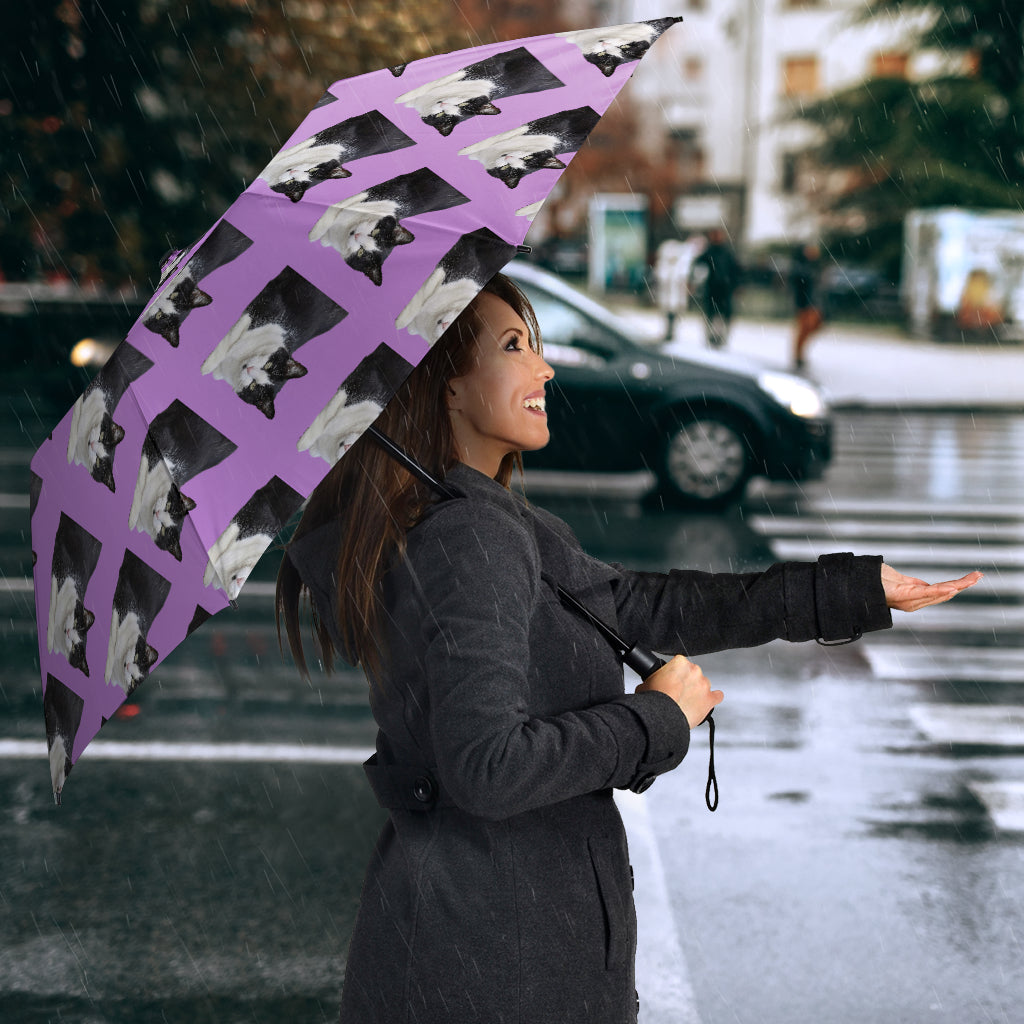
x=711 y=792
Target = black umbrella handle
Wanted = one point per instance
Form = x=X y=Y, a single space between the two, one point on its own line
x=645 y=663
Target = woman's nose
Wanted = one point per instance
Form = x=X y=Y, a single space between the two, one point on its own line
x=544 y=370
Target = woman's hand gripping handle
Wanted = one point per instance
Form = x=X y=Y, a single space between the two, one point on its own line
x=687 y=685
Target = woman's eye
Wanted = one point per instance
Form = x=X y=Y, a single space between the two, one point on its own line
x=512 y=345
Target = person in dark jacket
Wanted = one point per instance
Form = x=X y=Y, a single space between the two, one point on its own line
x=499 y=889
x=718 y=272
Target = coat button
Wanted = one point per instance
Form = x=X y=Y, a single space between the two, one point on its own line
x=643 y=783
x=424 y=789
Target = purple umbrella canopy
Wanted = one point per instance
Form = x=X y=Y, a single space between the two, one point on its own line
x=278 y=338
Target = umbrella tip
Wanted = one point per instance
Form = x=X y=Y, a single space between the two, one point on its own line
x=524 y=249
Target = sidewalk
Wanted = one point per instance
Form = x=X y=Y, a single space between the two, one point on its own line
x=862 y=365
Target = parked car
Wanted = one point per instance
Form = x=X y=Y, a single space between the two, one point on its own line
x=703 y=424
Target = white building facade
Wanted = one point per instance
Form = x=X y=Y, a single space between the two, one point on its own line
x=728 y=80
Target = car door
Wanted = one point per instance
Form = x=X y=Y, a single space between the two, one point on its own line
x=595 y=404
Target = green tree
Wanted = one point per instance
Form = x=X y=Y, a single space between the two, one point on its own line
x=954 y=138
x=129 y=126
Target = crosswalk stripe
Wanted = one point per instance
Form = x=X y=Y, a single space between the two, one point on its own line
x=946 y=663
x=894 y=507
x=988 y=725
x=970 y=556
x=1004 y=802
x=963 y=616
x=114 y=750
x=947 y=530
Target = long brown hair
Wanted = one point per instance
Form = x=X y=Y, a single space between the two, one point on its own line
x=375 y=501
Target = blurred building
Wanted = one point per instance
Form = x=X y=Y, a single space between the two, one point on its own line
x=720 y=91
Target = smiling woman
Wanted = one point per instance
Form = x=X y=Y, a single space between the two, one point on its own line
x=500 y=885
x=498 y=408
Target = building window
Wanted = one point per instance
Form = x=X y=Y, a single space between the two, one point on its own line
x=790 y=172
x=686 y=151
x=800 y=76
x=889 y=64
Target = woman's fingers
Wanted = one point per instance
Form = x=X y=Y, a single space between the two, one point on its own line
x=909 y=594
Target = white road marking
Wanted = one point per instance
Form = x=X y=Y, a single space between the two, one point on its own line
x=970 y=556
x=987 y=725
x=1004 y=802
x=952 y=664
x=259 y=753
x=948 y=530
x=662 y=976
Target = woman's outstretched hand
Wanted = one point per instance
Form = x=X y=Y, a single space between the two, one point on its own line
x=908 y=594
x=687 y=685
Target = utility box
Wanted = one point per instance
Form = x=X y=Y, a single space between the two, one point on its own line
x=963 y=274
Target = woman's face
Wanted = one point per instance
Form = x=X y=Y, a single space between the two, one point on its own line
x=498 y=406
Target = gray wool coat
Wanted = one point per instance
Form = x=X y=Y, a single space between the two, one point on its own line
x=499 y=891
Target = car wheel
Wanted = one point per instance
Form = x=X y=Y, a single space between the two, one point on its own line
x=705 y=461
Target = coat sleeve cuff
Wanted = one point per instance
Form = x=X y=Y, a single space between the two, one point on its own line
x=850 y=598
x=667 y=732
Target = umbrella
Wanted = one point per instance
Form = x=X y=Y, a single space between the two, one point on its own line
x=276 y=340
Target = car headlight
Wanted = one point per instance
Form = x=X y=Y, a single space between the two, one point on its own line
x=795 y=394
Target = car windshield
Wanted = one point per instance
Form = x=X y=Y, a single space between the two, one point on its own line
x=565 y=325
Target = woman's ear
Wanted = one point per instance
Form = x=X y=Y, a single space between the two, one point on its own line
x=454 y=397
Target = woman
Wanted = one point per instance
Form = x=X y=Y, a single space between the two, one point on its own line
x=499 y=889
x=804 y=283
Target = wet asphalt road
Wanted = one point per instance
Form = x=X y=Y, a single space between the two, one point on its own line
x=852 y=872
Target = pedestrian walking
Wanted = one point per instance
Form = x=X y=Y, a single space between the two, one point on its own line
x=716 y=272
x=671 y=277
x=803 y=279
x=499 y=888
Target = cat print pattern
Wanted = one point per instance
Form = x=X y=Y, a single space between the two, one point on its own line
x=140 y=594
x=75 y=555
x=255 y=356
x=94 y=435
x=323 y=156
x=535 y=146
x=182 y=294
x=366 y=228
x=179 y=445
x=470 y=92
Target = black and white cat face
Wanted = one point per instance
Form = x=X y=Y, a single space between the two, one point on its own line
x=233 y=558
x=94 y=436
x=75 y=555
x=250 y=532
x=300 y=167
x=448 y=101
x=364 y=231
x=129 y=656
x=158 y=507
x=174 y=303
x=69 y=621
x=338 y=426
x=510 y=156
x=434 y=308
x=255 y=361
x=610 y=48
